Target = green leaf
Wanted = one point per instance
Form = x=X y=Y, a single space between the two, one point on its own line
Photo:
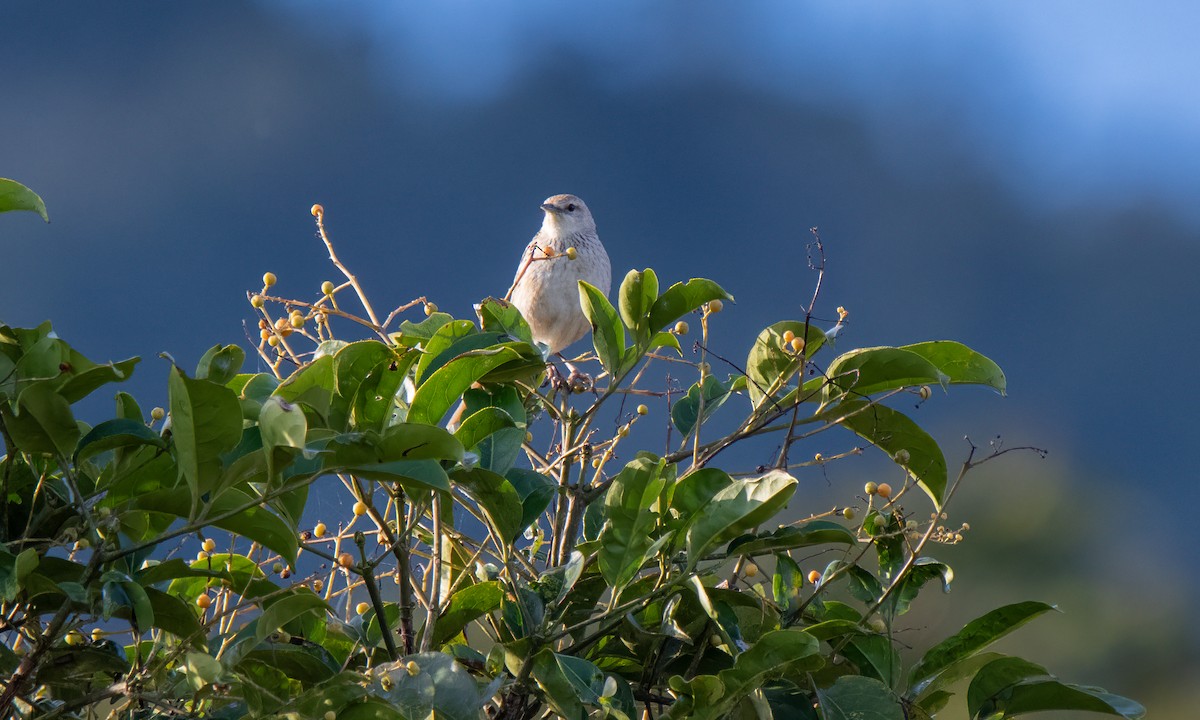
x=43 y=423
x=997 y=675
x=569 y=683
x=608 y=335
x=413 y=475
x=312 y=385
x=893 y=432
x=499 y=500
x=465 y=606
x=308 y=663
x=1042 y=695
x=220 y=364
x=770 y=366
x=737 y=508
x=255 y=522
x=445 y=345
x=499 y=316
x=859 y=698
x=440 y=687
x=960 y=364
x=681 y=299
x=697 y=489
x=922 y=571
x=86 y=376
x=498 y=447
x=295 y=603
x=116 y=433
x=175 y=616
x=404 y=441
x=665 y=339
x=875 y=656
x=373 y=406
x=927 y=690
x=536 y=491
x=976 y=635
x=411 y=334
x=686 y=411
x=15 y=196
x=786 y=581
x=282 y=424
x=816 y=532
x=206 y=422
x=868 y=371
x=630 y=519
x=635 y=299
x=445 y=386
x=708 y=697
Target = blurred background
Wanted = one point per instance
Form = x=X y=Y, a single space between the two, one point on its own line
x=1020 y=177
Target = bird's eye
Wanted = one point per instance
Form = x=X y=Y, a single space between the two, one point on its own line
x=571 y=207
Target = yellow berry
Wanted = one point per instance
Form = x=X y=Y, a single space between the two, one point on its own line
x=97 y=634
x=317 y=210
x=788 y=337
x=201 y=556
x=430 y=308
x=681 y=328
x=871 y=488
x=330 y=715
x=751 y=570
x=571 y=253
x=346 y=560
x=360 y=508
x=296 y=320
x=884 y=490
x=413 y=668
x=814 y=576
x=257 y=301
x=158 y=413
x=327 y=288
x=715 y=306
x=269 y=279
x=842 y=312
x=203 y=602
x=848 y=513
x=797 y=345
x=528 y=436
x=642 y=410
x=596 y=463
x=318 y=585
x=74 y=638
x=209 y=544
x=319 y=530
x=818 y=458
x=362 y=608
x=273 y=341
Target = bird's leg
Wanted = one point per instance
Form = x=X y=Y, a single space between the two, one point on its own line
x=577 y=381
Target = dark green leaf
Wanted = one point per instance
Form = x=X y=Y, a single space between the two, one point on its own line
x=414 y=475
x=629 y=519
x=735 y=509
x=294 y=603
x=893 y=432
x=686 y=410
x=499 y=500
x=411 y=333
x=859 y=698
x=307 y=662
x=976 y=635
x=570 y=683
x=465 y=606
x=15 y=196
x=220 y=364
x=997 y=675
x=444 y=345
x=1035 y=696
x=445 y=386
x=499 y=316
x=43 y=423
x=500 y=448
x=206 y=421
x=923 y=570
x=440 y=688
x=253 y=521
x=536 y=491
x=113 y=434
x=816 y=532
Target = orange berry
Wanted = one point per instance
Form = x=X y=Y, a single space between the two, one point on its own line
x=346 y=560
x=362 y=608
x=788 y=337
x=204 y=601
x=884 y=490
x=814 y=576
x=317 y=210
x=360 y=508
x=797 y=344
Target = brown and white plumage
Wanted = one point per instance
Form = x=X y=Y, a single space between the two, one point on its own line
x=546 y=289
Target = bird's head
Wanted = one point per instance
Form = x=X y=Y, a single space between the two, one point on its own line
x=567 y=215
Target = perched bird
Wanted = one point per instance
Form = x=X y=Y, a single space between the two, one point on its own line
x=565 y=251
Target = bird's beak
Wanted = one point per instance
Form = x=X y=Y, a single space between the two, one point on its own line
x=551 y=208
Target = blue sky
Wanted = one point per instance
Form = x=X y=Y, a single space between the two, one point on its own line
x=1067 y=100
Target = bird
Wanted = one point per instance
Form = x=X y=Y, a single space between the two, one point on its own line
x=564 y=251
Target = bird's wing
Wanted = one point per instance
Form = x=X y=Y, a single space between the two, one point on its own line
x=526 y=260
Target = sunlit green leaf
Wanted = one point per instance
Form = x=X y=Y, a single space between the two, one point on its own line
x=629 y=519
x=681 y=299
x=206 y=421
x=735 y=509
x=15 y=196
x=464 y=607
x=815 y=532
x=867 y=371
x=771 y=365
x=960 y=364
x=899 y=437
x=220 y=363
x=686 y=410
x=608 y=335
x=444 y=387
